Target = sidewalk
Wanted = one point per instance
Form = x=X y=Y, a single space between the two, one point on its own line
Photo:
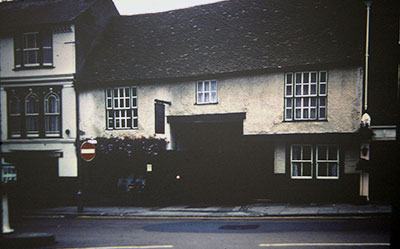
x=208 y=211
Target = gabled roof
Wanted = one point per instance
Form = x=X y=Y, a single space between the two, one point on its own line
x=16 y=14
x=229 y=36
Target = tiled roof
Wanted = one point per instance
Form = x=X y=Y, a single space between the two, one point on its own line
x=229 y=36
x=17 y=14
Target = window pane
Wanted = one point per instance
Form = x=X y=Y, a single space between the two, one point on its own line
x=307 y=153
x=200 y=86
x=52 y=124
x=32 y=105
x=289 y=78
x=322 y=169
x=313 y=113
x=289 y=90
x=135 y=123
x=313 y=77
x=307 y=169
x=332 y=153
x=298 y=90
x=305 y=113
x=134 y=102
x=135 y=112
x=333 y=169
x=288 y=114
x=313 y=102
x=322 y=113
x=206 y=97
x=298 y=77
x=295 y=169
x=289 y=103
x=47 y=56
x=298 y=102
x=322 y=89
x=32 y=124
x=322 y=77
x=296 y=152
x=322 y=150
x=305 y=89
x=306 y=101
x=134 y=91
x=15 y=125
x=305 y=77
x=322 y=101
x=15 y=105
x=213 y=97
x=213 y=85
x=207 y=86
x=200 y=98
x=298 y=113
x=116 y=103
x=313 y=89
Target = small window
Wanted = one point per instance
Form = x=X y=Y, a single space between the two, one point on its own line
x=301 y=161
x=33 y=49
x=207 y=92
x=327 y=161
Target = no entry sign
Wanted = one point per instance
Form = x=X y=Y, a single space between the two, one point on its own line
x=88 y=151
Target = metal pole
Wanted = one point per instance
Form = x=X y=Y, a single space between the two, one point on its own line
x=368 y=3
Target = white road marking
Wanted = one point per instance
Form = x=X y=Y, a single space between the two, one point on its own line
x=124 y=247
x=322 y=244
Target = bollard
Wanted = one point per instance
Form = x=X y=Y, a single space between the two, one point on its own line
x=6 y=222
x=80 y=202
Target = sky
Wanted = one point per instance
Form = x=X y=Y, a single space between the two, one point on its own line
x=132 y=7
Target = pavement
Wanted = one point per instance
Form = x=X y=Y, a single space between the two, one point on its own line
x=256 y=210
x=200 y=211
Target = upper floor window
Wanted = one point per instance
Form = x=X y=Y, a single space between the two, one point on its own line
x=306 y=96
x=33 y=49
x=207 y=92
x=34 y=112
x=121 y=108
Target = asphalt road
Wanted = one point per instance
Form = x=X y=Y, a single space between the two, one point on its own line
x=129 y=233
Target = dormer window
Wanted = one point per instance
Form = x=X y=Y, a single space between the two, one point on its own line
x=33 y=49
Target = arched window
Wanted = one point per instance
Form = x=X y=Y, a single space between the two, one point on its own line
x=32 y=114
x=52 y=114
x=14 y=115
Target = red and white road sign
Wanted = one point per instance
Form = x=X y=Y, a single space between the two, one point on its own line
x=88 y=151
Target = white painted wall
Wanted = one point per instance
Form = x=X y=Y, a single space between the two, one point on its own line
x=260 y=96
x=63 y=56
x=64 y=64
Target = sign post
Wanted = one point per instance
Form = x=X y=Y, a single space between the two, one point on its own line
x=88 y=151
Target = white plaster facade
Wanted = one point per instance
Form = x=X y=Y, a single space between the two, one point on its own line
x=62 y=75
x=261 y=97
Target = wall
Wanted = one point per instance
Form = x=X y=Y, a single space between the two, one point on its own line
x=63 y=56
x=61 y=75
x=260 y=96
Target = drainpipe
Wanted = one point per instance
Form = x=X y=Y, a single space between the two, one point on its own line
x=366 y=119
x=368 y=3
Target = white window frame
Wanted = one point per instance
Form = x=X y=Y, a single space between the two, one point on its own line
x=202 y=92
x=33 y=115
x=303 y=96
x=301 y=161
x=48 y=114
x=121 y=109
x=327 y=160
x=26 y=49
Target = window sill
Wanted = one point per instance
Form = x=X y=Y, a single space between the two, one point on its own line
x=32 y=68
x=213 y=103
x=299 y=121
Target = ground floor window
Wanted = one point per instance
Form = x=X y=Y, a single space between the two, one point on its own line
x=307 y=161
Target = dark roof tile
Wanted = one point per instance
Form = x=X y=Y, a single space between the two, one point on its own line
x=228 y=36
x=16 y=14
